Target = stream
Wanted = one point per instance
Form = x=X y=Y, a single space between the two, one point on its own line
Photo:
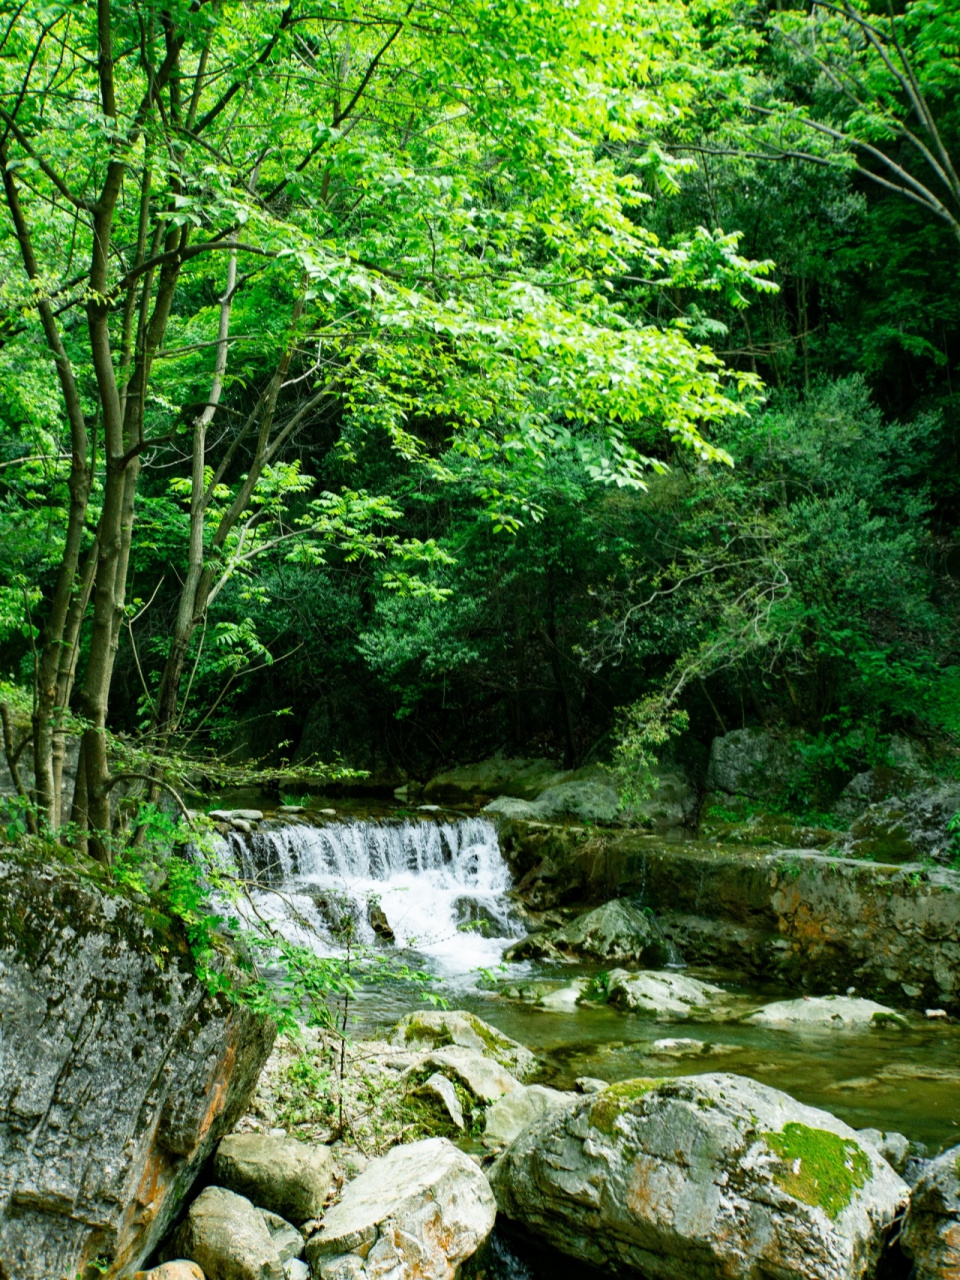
x=431 y=878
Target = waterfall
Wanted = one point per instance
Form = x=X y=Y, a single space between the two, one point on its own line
x=429 y=879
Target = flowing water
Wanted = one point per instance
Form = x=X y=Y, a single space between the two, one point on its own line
x=442 y=887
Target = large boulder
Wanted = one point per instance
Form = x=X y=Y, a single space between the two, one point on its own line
x=482 y=1079
x=826 y=1011
x=931 y=1233
x=228 y=1237
x=439 y=1029
x=619 y=930
x=589 y=800
x=711 y=1175
x=910 y=826
x=667 y=996
x=287 y=1177
x=499 y=776
x=752 y=762
x=673 y=800
x=120 y=1074
x=416 y=1213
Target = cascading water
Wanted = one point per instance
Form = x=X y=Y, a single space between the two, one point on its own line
x=429 y=879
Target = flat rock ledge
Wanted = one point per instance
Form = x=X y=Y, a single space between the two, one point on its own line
x=416 y=1213
x=711 y=1175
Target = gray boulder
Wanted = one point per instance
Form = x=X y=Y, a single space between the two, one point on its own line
x=120 y=1073
x=827 y=1011
x=483 y=1079
x=590 y=801
x=288 y=1177
x=440 y=1029
x=707 y=1176
x=515 y=1110
x=931 y=1233
x=895 y=1147
x=908 y=826
x=666 y=996
x=439 y=1096
x=228 y=1237
x=619 y=930
x=751 y=762
x=287 y=1240
x=416 y=1213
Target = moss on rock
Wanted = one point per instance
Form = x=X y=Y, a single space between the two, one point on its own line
x=617 y=1098
x=819 y=1167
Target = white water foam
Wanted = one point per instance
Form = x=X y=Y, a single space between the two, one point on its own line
x=429 y=879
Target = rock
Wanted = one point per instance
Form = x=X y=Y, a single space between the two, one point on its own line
x=665 y=996
x=120 y=1074
x=228 y=1237
x=416 y=1213
x=517 y=1109
x=867 y=788
x=908 y=827
x=931 y=1233
x=296 y=1270
x=379 y=923
x=588 y=800
x=619 y=930
x=590 y=1084
x=674 y=801
x=894 y=1147
x=440 y=1095
x=236 y=815
x=484 y=1080
x=711 y=1175
x=439 y=1028
x=685 y=1047
x=287 y=1240
x=936 y=1014
x=826 y=1011
x=751 y=762
x=291 y=809
x=509 y=807
x=283 y=1175
x=535 y=946
x=181 y=1269
x=563 y=999
x=499 y=776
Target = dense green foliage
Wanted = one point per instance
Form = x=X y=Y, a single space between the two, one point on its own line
x=426 y=451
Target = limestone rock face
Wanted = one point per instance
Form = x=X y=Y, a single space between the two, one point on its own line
x=119 y=1075
x=711 y=1175
x=438 y=1029
x=416 y=1213
x=826 y=1011
x=227 y=1235
x=931 y=1234
x=666 y=996
x=288 y=1177
x=517 y=1109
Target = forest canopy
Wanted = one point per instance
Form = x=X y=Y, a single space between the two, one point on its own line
x=403 y=382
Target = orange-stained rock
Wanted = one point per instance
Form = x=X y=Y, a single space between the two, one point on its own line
x=120 y=1075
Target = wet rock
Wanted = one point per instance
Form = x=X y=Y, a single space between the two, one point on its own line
x=752 y=762
x=180 y=1269
x=438 y=1094
x=291 y=809
x=228 y=1237
x=535 y=946
x=665 y=996
x=563 y=999
x=931 y=1233
x=438 y=1029
x=827 y=1011
x=236 y=815
x=415 y=1214
x=379 y=923
x=713 y=1175
x=515 y=1110
x=120 y=1074
x=685 y=1047
x=619 y=930
x=288 y=1177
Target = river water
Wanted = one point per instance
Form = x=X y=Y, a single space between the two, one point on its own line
x=442 y=887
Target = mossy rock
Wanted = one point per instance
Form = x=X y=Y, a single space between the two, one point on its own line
x=439 y=1029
